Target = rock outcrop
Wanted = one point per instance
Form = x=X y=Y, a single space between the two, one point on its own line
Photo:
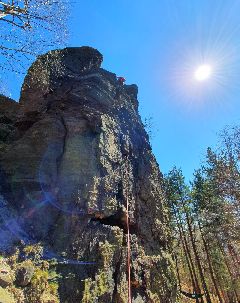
x=73 y=153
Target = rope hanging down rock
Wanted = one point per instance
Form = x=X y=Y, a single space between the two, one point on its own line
x=128 y=238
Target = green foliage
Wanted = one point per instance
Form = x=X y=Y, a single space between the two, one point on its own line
x=33 y=252
x=95 y=288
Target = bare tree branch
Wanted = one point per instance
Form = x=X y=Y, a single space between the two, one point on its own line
x=29 y=28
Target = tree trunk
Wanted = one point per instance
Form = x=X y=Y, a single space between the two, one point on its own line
x=228 y=267
x=197 y=258
x=210 y=265
x=190 y=263
x=226 y=299
x=191 y=268
x=234 y=255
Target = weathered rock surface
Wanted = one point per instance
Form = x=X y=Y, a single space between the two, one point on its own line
x=24 y=274
x=6 y=275
x=9 y=110
x=73 y=153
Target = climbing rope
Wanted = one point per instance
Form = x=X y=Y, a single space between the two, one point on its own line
x=128 y=255
x=128 y=242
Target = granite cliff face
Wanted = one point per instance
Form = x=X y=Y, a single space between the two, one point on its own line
x=72 y=152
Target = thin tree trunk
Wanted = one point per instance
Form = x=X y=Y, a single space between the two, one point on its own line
x=197 y=258
x=190 y=264
x=210 y=265
x=197 y=287
x=228 y=267
x=226 y=299
x=231 y=297
x=234 y=255
x=178 y=274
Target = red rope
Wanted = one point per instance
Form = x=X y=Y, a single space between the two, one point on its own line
x=128 y=252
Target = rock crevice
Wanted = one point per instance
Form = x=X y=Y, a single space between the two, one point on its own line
x=64 y=142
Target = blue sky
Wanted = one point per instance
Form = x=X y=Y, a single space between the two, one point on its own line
x=158 y=44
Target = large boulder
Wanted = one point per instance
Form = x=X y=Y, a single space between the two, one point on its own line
x=6 y=275
x=24 y=274
x=79 y=159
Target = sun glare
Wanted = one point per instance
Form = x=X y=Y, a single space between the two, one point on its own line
x=203 y=72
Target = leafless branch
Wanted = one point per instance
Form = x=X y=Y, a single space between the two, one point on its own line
x=29 y=28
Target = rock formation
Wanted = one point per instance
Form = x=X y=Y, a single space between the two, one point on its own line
x=73 y=153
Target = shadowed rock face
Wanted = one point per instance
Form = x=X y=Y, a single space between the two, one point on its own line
x=75 y=150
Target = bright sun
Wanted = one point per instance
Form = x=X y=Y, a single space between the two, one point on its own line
x=203 y=72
